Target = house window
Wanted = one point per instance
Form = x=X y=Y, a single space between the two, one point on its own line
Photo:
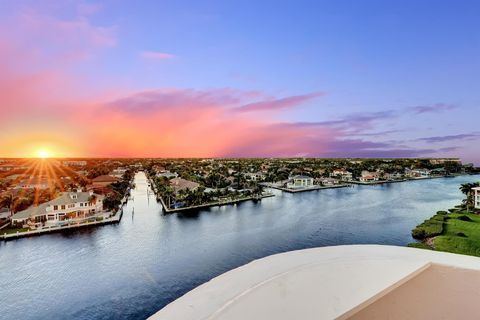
x=55 y=207
x=81 y=204
x=63 y=207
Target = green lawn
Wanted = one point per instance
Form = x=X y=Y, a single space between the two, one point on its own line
x=12 y=230
x=461 y=234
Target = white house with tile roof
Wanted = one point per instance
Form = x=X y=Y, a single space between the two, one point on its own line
x=299 y=181
x=68 y=206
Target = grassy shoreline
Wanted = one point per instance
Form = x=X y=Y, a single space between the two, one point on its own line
x=455 y=231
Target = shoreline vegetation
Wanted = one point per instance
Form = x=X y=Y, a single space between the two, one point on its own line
x=456 y=230
x=234 y=198
x=186 y=184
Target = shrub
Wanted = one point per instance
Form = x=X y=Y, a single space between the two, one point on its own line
x=418 y=233
x=461 y=234
x=438 y=217
x=429 y=228
x=442 y=212
x=464 y=218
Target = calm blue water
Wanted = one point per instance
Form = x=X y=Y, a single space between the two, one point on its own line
x=133 y=269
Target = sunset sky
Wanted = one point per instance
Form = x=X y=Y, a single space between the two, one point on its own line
x=240 y=78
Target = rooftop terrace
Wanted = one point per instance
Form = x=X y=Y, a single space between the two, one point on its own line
x=342 y=282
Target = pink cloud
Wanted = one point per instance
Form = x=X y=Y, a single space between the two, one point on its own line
x=279 y=104
x=155 y=55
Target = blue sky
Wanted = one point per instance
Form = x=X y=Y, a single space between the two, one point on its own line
x=380 y=60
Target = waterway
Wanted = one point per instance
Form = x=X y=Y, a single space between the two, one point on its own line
x=132 y=269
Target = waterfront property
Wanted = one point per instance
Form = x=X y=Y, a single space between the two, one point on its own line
x=342 y=174
x=299 y=182
x=179 y=184
x=476 y=196
x=212 y=240
x=367 y=176
x=68 y=206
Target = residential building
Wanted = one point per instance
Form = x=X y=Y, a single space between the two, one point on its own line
x=255 y=176
x=442 y=161
x=68 y=206
x=167 y=174
x=118 y=173
x=74 y=163
x=34 y=183
x=476 y=197
x=327 y=181
x=393 y=176
x=104 y=180
x=299 y=181
x=342 y=174
x=367 y=176
x=419 y=173
x=179 y=184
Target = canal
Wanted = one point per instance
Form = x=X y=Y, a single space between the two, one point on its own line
x=132 y=269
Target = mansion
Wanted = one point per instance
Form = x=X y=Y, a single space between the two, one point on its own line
x=68 y=206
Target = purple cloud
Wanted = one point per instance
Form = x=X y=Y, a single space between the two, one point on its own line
x=435 y=108
x=279 y=104
x=464 y=136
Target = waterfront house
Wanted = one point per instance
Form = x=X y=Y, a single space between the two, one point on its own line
x=299 y=181
x=68 y=206
x=104 y=180
x=367 y=176
x=476 y=195
x=417 y=173
x=327 y=181
x=393 y=176
x=342 y=174
x=179 y=184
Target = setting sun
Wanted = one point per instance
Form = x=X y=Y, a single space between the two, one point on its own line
x=43 y=153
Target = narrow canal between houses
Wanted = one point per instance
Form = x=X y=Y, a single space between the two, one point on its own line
x=132 y=269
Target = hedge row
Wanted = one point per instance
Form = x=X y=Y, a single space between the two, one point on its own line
x=430 y=228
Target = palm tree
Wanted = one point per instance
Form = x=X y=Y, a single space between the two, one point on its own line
x=8 y=201
x=466 y=189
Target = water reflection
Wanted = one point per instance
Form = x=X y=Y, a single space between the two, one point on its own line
x=132 y=269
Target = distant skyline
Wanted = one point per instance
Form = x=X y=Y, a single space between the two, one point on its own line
x=240 y=79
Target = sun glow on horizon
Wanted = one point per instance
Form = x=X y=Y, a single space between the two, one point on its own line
x=43 y=154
